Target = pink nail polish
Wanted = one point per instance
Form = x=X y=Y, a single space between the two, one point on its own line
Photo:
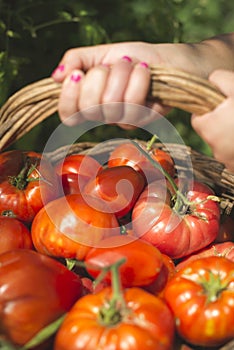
x=58 y=69
x=127 y=58
x=75 y=78
x=144 y=65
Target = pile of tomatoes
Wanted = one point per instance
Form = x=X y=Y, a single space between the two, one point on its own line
x=125 y=255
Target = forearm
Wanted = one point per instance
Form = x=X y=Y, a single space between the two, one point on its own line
x=199 y=58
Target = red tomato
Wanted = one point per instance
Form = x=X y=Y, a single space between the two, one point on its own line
x=75 y=171
x=201 y=297
x=143 y=261
x=167 y=271
x=225 y=249
x=27 y=182
x=128 y=154
x=119 y=187
x=70 y=226
x=176 y=229
x=14 y=234
x=35 y=290
x=143 y=322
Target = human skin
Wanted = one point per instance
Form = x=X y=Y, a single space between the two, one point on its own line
x=119 y=72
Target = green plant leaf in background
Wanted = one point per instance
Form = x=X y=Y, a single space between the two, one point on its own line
x=35 y=34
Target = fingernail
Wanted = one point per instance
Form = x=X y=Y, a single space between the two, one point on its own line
x=59 y=69
x=144 y=65
x=127 y=58
x=75 y=77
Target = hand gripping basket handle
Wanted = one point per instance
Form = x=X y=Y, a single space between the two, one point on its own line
x=37 y=101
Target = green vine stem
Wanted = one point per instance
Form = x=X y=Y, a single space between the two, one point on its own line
x=181 y=202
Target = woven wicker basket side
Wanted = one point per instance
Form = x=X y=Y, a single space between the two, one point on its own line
x=39 y=100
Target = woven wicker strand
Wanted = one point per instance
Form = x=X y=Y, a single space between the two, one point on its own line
x=171 y=87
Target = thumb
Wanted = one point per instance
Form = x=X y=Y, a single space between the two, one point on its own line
x=224 y=80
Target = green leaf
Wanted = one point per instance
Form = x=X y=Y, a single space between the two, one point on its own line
x=44 y=334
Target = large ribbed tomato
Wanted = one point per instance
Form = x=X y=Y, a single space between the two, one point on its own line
x=70 y=226
x=201 y=296
x=139 y=321
x=178 y=224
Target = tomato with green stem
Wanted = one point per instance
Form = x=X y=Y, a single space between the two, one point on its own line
x=35 y=290
x=176 y=228
x=117 y=319
x=178 y=221
x=201 y=297
x=27 y=182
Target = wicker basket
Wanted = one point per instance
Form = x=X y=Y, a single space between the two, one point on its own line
x=37 y=101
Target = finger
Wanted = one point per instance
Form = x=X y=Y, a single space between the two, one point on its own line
x=113 y=95
x=118 y=80
x=224 y=80
x=69 y=97
x=79 y=58
x=138 y=85
x=93 y=86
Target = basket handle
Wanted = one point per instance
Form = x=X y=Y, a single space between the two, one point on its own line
x=39 y=100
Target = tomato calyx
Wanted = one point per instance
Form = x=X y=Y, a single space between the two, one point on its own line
x=114 y=309
x=212 y=286
x=22 y=180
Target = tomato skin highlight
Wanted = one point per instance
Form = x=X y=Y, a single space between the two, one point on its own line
x=35 y=290
x=71 y=225
x=143 y=261
x=14 y=234
x=147 y=324
x=27 y=182
x=75 y=170
x=119 y=187
x=201 y=297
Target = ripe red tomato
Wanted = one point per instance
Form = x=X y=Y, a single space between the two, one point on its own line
x=225 y=249
x=128 y=154
x=14 y=234
x=70 y=226
x=75 y=171
x=167 y=271
x=27 y=182
x=35 y=290
x=201 y=297
x=176 y=229
x=143 y=322
x=119 y=187
x=143 y=261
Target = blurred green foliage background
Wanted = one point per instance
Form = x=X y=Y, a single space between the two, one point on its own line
x=34 y=34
